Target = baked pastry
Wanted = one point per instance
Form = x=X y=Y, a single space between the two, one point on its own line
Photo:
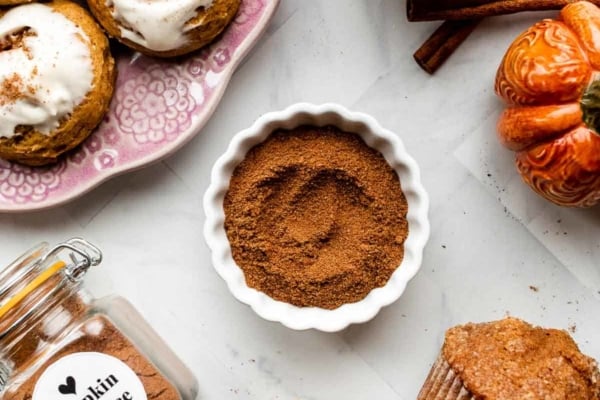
x=510 y=359
x=164 y=28
x=13 y=2
x=56 y=80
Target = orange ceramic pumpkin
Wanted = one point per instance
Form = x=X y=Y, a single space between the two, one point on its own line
x=550 y=77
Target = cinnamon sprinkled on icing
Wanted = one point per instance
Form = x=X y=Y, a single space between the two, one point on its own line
x=510 y=359
x=12 y=89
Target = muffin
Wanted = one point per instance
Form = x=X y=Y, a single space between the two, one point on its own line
x=511 y=359
x=56 y=80
x=164 y=28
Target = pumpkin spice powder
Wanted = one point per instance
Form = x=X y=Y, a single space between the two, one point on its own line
x=315 y=217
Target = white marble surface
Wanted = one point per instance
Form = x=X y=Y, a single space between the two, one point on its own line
x=491 y=237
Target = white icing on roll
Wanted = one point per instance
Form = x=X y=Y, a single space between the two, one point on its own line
x=158 y=25
x=48 y=75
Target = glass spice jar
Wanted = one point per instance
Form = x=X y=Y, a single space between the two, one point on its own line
x=58 y=343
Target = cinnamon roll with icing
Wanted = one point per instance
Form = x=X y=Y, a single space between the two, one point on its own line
x=56 y=80
x=164 y=28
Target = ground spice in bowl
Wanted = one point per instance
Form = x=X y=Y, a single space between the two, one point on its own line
x=315 y=217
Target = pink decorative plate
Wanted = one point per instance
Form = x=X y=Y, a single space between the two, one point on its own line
x=157 y=107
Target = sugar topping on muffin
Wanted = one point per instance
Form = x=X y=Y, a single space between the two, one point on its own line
x=511 y=359
x=45 y=68
x=159 y=25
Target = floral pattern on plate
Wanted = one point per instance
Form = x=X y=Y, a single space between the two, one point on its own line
x=21 y=185
x=158 y=106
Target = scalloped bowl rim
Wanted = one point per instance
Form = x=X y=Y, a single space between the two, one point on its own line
x=390 y=145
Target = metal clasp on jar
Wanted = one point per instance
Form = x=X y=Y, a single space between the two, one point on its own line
x=83 y=256
x=31 y=267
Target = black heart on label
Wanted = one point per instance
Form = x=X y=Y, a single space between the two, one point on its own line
x=68 y=387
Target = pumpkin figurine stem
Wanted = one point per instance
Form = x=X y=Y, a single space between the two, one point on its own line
x=590 y=106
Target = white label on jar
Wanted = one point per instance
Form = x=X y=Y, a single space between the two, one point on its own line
x=89 y=376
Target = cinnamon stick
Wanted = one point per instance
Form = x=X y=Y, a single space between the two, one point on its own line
x=442 y=43
x=429 y=10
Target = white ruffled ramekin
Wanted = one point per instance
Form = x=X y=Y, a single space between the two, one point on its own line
x=375 y=136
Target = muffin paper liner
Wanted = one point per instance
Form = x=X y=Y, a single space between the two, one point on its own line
x=443 y=383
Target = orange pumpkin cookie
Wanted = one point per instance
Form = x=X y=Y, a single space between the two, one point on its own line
x=164 y=28
x=548 y=77
x=56 y=80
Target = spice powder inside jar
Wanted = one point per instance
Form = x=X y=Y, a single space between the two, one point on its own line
x=98 y=337
x=315 y=217
x=57 y=342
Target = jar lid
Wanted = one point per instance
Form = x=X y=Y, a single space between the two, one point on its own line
x=81 y=256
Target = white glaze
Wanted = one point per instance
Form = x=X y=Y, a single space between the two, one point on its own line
x=55 y=64
x=158 y=25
